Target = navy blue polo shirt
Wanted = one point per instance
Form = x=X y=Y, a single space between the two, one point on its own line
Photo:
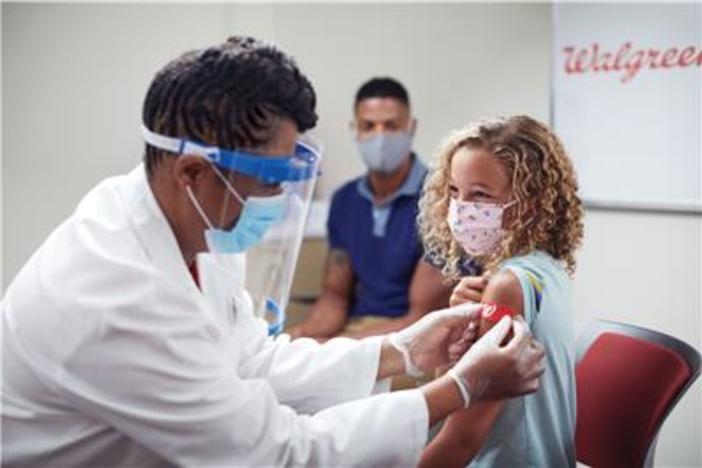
x=381 y=240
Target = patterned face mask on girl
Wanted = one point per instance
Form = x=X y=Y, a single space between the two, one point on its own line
x=476 y=226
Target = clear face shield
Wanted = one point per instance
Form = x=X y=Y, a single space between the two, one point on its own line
x=249 y=267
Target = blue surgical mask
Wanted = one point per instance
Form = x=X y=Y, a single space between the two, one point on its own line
x=385 y=152
x=258 y=214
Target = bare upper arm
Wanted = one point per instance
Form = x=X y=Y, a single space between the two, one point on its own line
x=328 y=314
x=504 y=289
x=338 y=274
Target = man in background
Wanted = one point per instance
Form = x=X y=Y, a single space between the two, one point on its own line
x=375 y=280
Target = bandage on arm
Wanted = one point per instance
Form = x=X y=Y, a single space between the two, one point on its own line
x=492 y=313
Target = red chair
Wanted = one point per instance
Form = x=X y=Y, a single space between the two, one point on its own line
x=628 y=380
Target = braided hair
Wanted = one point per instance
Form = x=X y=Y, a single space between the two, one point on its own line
x=232 y=95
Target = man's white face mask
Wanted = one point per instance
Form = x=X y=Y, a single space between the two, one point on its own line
x=386 y=151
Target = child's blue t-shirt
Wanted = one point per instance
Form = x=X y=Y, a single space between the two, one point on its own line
x=538 y=430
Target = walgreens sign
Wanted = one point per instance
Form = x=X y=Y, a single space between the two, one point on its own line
x=627 y=60
x=627 y=101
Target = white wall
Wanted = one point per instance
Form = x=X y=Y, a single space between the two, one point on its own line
x=458 y=62
x=74 y=76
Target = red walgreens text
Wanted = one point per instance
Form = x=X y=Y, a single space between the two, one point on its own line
x=581 y=60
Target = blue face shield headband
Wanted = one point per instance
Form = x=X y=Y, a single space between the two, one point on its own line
x=302 y=165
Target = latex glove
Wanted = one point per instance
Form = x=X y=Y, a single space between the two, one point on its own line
x=491 y=371
x=427 y=343
x=458 y=348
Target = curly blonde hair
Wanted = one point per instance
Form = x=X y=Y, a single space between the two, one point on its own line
x=547 y=214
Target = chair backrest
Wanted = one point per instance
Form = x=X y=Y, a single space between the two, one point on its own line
x=628 y=380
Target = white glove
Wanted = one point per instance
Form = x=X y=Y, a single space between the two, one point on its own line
x=425 y=344
x=491 y=371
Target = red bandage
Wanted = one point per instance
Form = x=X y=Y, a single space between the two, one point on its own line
x=493 y=312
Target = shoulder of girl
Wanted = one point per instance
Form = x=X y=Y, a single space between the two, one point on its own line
x=504 y=289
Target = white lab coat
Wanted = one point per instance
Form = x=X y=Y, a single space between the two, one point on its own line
x=111 y=357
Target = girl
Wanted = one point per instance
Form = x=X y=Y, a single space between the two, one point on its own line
x=503 y=192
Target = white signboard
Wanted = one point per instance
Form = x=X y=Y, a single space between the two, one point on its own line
x=627 y=101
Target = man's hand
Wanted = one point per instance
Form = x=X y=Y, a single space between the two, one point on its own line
x=437 y=337
x=491 y=371
x=469 y=289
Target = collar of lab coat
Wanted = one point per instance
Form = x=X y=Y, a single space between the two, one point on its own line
x=153 y=230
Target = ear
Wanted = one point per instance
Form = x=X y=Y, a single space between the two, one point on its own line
x=189 y=169
x=413 y=126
